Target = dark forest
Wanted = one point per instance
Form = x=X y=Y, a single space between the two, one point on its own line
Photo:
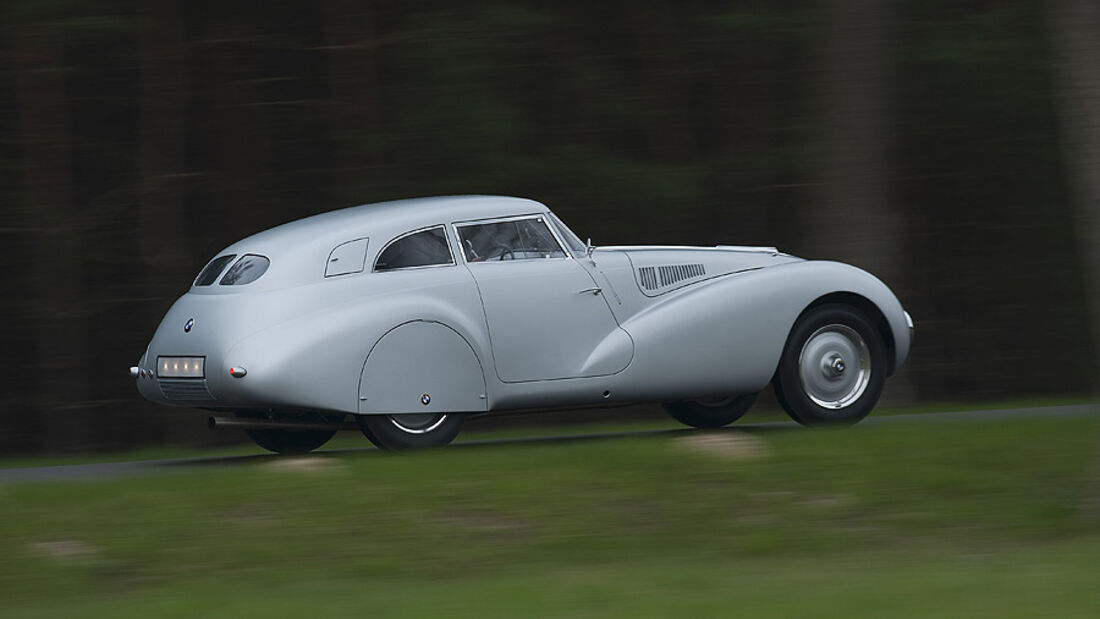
x=950 y=149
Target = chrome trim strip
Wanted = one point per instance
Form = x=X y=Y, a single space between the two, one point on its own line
x=559 y=228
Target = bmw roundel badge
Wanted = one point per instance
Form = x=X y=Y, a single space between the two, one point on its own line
x=425 y=399
x=187 y=326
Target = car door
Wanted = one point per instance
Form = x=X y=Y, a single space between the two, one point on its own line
x=547 y=317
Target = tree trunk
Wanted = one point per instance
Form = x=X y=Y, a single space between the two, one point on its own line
x=353 y=101
x=1075 y=32
x=161 y=170
x=61 y=385
x=853 y=216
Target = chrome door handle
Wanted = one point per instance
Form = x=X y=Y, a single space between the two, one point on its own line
x=591 y=291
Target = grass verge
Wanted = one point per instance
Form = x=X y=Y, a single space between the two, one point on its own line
x=503 y=427
x=958 y=518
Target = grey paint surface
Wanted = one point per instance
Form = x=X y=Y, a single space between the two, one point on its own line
x=445 y=369
x=621 y=324
x=544 y=326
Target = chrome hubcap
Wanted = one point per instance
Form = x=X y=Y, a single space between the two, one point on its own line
x=835 y=366
x=418 y=423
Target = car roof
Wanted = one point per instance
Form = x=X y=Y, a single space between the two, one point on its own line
x=387 y=218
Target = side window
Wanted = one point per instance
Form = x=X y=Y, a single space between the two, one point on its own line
x=419 y=249
x=520 y=239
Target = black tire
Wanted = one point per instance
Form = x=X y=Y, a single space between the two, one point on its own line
x=411 y=431
x=290 y=441
x=828 y=393
x=707 y=414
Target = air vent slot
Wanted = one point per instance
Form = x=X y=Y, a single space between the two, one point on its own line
x=658 y=277
x=670 y=274
x=185 y=390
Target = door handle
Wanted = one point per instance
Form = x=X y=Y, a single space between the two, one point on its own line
x=591 y=291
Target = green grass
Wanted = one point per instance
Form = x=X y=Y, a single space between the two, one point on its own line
x=626 y=419
x=957 y=518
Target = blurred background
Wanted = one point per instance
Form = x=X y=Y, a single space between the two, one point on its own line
x=952 y=149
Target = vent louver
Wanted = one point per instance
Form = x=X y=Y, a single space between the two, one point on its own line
x=185 y=390
x=653 y=278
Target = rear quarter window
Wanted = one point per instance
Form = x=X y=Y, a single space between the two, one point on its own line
x=417 y=249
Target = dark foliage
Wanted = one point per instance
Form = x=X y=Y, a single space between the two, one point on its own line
x=162 y=131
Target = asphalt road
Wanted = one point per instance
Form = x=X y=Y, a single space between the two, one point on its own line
x=113 y=470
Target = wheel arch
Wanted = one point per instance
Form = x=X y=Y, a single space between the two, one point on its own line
x=426 y=357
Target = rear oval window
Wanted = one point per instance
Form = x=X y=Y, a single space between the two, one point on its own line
x=246 y=270
x=212 y=270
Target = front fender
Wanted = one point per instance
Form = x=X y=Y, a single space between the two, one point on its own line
x=726 y=335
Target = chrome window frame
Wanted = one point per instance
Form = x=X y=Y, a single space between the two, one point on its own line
x=566 y=254
x=450 y=251
x=559 y=227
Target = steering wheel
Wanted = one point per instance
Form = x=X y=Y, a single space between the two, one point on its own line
x=504 y=251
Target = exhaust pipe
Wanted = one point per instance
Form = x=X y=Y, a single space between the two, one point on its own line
x=241 y=423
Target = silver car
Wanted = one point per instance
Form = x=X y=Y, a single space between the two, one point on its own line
x=409 y=315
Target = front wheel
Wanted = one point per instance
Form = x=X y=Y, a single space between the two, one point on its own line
x=833 y=367
x=410 y=431
x=710 y=413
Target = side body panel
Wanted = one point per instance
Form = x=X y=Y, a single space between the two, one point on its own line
x=547 y=320
x=720 y=337
x=422 y=367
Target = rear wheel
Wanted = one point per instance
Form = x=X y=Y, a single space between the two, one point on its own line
x=833 y=367
x=710 y=413
x=410 y=431
x=289 y=441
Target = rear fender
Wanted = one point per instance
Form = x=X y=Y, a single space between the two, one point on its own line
x=316 y=362
x=422 y=367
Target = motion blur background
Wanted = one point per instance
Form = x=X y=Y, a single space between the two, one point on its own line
x=952 y=149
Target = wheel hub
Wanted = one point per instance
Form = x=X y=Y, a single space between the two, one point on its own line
x=835 y=366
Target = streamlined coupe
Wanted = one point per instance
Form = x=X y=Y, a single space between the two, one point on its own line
x=409 y=315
